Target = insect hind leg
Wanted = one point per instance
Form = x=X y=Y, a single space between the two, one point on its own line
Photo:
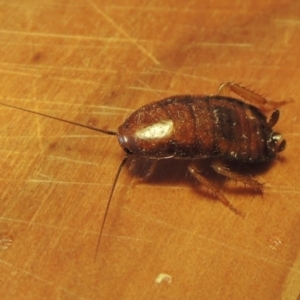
x=220 y=168
x=250 y=96
x=216 y=190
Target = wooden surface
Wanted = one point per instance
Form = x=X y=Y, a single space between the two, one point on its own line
x=94 y=62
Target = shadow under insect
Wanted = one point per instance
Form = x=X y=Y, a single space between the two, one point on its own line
x=172 y=172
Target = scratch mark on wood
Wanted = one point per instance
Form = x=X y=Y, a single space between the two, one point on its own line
x=122 y=31
x=72 y=160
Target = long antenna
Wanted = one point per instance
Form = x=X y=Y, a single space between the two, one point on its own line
x=110 y=132
x=108 y=204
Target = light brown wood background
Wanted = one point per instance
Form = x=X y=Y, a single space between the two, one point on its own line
x=94 y=62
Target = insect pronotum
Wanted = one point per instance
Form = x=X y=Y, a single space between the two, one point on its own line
x=195 y=127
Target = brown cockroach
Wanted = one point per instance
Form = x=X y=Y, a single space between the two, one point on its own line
x=194 y=127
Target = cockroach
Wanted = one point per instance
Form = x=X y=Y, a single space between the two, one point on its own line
x=195 y=127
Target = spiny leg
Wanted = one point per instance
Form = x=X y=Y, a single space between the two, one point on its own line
x=220 y=168
x=251 y=96
x=216 y=190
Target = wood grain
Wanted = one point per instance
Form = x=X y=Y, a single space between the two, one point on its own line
x=94 y=62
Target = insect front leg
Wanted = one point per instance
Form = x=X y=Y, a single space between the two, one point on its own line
x=216 y=190
x=250 y=96
x=149 y=173
x=220 y=168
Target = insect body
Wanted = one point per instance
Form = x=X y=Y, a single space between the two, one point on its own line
x=197 y=127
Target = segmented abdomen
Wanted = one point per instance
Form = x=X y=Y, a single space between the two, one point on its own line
x=217 y=126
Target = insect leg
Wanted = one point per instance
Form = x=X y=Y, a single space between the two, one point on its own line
x=251 y=96
x=149 y=173
x=216 y=190
x=220 y=168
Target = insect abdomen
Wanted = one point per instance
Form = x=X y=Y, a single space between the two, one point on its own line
x=218 y=127
x=241 y=130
